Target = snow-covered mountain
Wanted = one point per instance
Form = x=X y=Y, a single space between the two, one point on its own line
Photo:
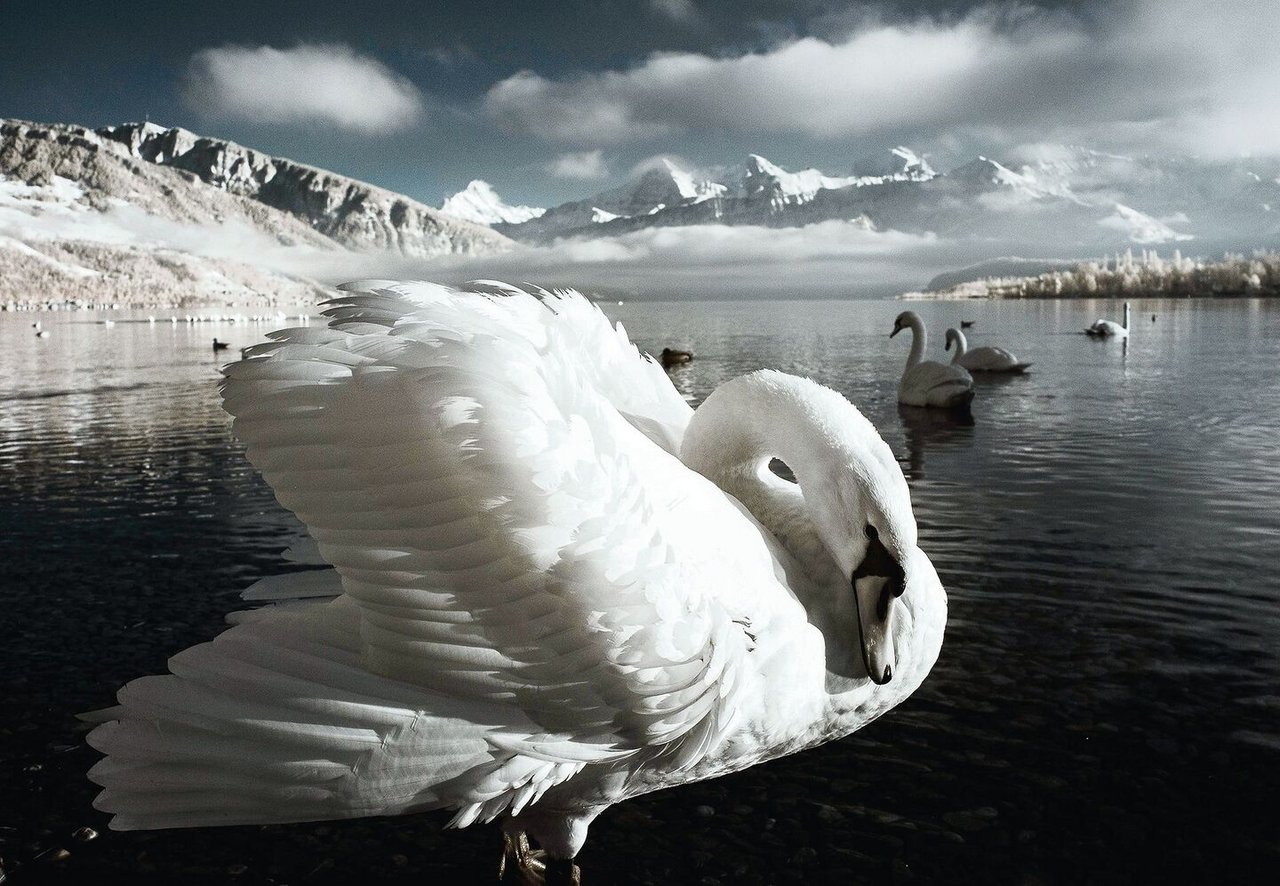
x=764 y=181
x=143 y=214
x=663 y=187
x=478 y=202
x=1055 y=200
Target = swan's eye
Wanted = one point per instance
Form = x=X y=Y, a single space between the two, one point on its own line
x=872 y=533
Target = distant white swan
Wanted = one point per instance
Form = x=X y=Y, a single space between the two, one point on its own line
x=982 y=359
x=1110 y=328
x=924 y=382
x=553 y=585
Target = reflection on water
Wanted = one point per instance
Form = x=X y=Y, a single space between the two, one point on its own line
x=1105 y=709
x=932 y=428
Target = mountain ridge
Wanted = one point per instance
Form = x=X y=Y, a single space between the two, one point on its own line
x=162 y=215
x=1072 y=198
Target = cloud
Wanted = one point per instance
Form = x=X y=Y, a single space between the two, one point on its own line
x=326 y=84
x=880 y=77
x=682 y=11
x=579 y=166
x=1144 y=73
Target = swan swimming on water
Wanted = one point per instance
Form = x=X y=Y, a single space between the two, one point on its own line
x=982 y=359
x=553 y=585
x=925 y=382
x=1110 y=328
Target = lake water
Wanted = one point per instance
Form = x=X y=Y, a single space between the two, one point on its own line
x=1106 y=708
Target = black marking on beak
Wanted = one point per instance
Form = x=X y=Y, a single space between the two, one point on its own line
x=877 y=564
x=878 y=561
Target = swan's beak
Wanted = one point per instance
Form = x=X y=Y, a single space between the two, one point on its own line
x=877 y=582
x=874 y=594
x=896 y=330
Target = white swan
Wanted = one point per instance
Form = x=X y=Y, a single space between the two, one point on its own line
x=1110 y=328
x=924 y=382
x=982 y=359
x=536 y=609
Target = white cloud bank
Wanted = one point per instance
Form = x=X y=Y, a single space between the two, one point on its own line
x=579 y=166
x=1149 y=72
x=832 y=259
x=327 y=84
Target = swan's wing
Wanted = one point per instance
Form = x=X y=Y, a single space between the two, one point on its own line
x=986 y=358
x=563 y=322
x=511 y=542
x=929 y=378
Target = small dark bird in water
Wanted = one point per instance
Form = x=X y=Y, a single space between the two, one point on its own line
x=967 y=324
x=220 y=345
x=672 y=357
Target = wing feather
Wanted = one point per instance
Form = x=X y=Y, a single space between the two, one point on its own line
x=481 y=470
x=523 y=580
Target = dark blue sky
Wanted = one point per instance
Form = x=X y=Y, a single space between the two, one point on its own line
x=423 y=96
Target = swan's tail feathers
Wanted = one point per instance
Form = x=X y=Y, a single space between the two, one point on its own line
x=1020 y=368
x=274 y=721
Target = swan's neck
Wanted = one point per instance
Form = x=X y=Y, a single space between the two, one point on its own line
x=1126 y=315
x=961 y=346
x=845 y=475
x=825 y=441
x=919 y=338
x=734 y=435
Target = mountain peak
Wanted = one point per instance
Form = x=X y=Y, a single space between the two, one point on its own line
x=758 y=165
x=764 y=178
x=479 y=202
x=913 y=163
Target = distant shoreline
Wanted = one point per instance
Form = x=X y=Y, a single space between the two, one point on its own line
x=1130 y=276
x=1118 y=296
x=255 y=305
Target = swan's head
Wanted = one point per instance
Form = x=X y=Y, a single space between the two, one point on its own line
x=905 y=320
x=863 y=514
x=953 y=337
x=855 y=495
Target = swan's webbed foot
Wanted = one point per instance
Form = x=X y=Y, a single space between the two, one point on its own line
x=523 y=866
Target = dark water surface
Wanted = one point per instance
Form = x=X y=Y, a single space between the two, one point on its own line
x=1106 y=708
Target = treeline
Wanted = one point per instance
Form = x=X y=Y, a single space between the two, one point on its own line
x=1146 y=274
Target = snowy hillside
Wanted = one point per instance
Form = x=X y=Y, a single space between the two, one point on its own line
x=143 y=214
